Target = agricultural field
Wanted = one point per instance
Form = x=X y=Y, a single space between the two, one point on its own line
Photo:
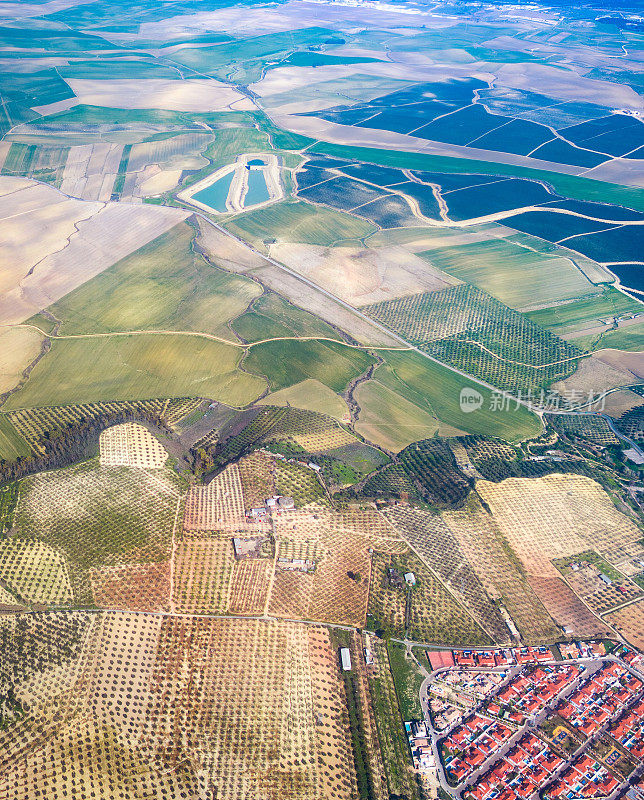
x=39 y=427
x=432 y=539
x=470 y=330
x=131 y=445
x=435 y=389
x=270 y=316
x=244 y=440
x=362 y=276
x=64 y=261
x=284 y=363
x=310 y=395
x=298 y=221
x=629 y=621
x=142 y=292
x=137 y=367
x=558 y=517
x=427 y=612
x=390 y=421
x=70 y=667
x=87 y=517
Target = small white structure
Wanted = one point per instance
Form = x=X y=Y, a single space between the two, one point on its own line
x=345 y=658
x=286 y=502
x=410 y=579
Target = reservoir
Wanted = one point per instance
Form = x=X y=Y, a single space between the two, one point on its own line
x=215 y=195
x=257 y=189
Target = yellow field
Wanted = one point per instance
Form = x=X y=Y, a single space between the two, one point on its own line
x=311 y=395
x=18 y=348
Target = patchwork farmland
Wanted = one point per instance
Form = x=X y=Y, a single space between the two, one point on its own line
x=321 y=401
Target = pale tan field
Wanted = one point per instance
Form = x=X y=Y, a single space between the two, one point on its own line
x=629 y=621
x=592 y=377
x=623 y=360
x=311 y=299
x=554 y=517
x=131 y=445
x=91 y=169
x=311 y=395
x=360 y=275
x=228 y=254
x=26 y=206
x=564 y=84
x=225 y=251
x=617 y=403
x=481 y=544
x=18 y=348
x=75 y=242
x=187 y=95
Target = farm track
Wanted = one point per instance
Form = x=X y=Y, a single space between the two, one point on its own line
x=249 y=345
x=255 y=617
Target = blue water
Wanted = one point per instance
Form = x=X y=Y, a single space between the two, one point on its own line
x=215 y=195
x=257 y=189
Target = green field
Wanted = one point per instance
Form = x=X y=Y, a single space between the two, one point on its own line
x=296 y=221
x=135 y=368
x=284 y=363
x=436 y=389
x=12 y=444
x=407 y=680
x=629 y=338
x=517 y=276
x=389 y=420
x=586 y=311
x=271 y=316
x=164 y=285
x=101 y=115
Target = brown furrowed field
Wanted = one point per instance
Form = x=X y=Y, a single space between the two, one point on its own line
x=202 y=574
x=133 y=587
x=250 y=586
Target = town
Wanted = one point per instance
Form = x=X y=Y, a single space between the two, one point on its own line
x=560 y=722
